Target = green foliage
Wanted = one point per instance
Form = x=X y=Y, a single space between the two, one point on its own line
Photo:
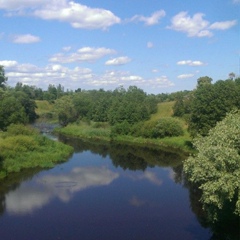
x=22 y=147
x=28 y=104
x=216 y=167
x=167 y=127
x=3 y=78
x=132 y=106
x=122 y=128
x=11 y=111
x=210 y=103
x=20 y=129
x=65 y=110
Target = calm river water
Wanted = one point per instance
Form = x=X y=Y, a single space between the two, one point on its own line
x=102 y=192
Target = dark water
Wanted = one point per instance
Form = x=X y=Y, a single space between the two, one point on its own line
x=102 y=192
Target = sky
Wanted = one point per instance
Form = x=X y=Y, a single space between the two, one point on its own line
x=160 y=46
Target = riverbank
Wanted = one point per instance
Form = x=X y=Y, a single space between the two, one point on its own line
x=89 y=131
x=23 y=147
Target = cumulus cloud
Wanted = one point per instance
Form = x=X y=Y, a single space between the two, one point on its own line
x=85 y=54
x=72 y=78
x=183 y=76
x=78 y=15
x=25 y=39
x=43 y=76
x=196 y=26
x=118 y=61
x=190 y=63
x=149 y=21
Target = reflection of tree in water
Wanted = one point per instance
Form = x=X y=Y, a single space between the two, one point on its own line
x=226 y=228
x=12 y=182
x=227 y=225
x=96 y=147
x=128 y=156
x=139 y=158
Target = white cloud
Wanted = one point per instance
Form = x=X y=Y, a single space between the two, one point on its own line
x=72 y=78
x=78 y=15
x=149 y=21
x=25 y=39
x=27 y=199
x=85 y=54
x=190 y=63
x=149 y=45
x=196 y=26
x=43 y=76
x=223 y=25
x=236 y=1
x=118 y=61
x=183 y=76
x=21 y=4
x=8 y=64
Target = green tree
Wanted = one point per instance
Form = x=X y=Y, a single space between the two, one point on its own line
x=28 y=104
x=216 y=166
x=204 y=81
x=3 y=78
x=65 y=110
x=210 y=104
x=11 y=111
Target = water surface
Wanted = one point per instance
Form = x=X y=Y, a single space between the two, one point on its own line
x=101 y=192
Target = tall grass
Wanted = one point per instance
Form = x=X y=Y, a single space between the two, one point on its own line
x=45 y=111
x=86 y=131
x=22 y=151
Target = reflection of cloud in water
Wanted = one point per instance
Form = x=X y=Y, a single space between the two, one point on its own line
x=28 y=198
x=148 y=175
x=136 y=202
x=172 y=174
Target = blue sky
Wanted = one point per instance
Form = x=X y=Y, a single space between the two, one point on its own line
x=160 y=46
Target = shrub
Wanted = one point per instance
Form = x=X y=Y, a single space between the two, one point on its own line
x=167 y=127
x=20 y=129
x=122 y=128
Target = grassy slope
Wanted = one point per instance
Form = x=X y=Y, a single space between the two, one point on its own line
x=45 y=111
x=164 y=110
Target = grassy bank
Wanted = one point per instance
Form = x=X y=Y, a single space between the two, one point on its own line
x=95 y=131
x=22 y=147
x=90 y=132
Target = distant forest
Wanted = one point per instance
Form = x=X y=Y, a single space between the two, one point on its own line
x=127 y=109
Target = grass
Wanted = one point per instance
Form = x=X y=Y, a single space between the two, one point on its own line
x=164 y=110
x=85 y=130
x=29 y=150
x=45 y=111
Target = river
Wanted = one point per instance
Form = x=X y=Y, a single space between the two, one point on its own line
x=102 y=192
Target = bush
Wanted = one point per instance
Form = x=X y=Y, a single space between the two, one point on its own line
x=20 y=129
x=122 y=128
x=167 y=127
